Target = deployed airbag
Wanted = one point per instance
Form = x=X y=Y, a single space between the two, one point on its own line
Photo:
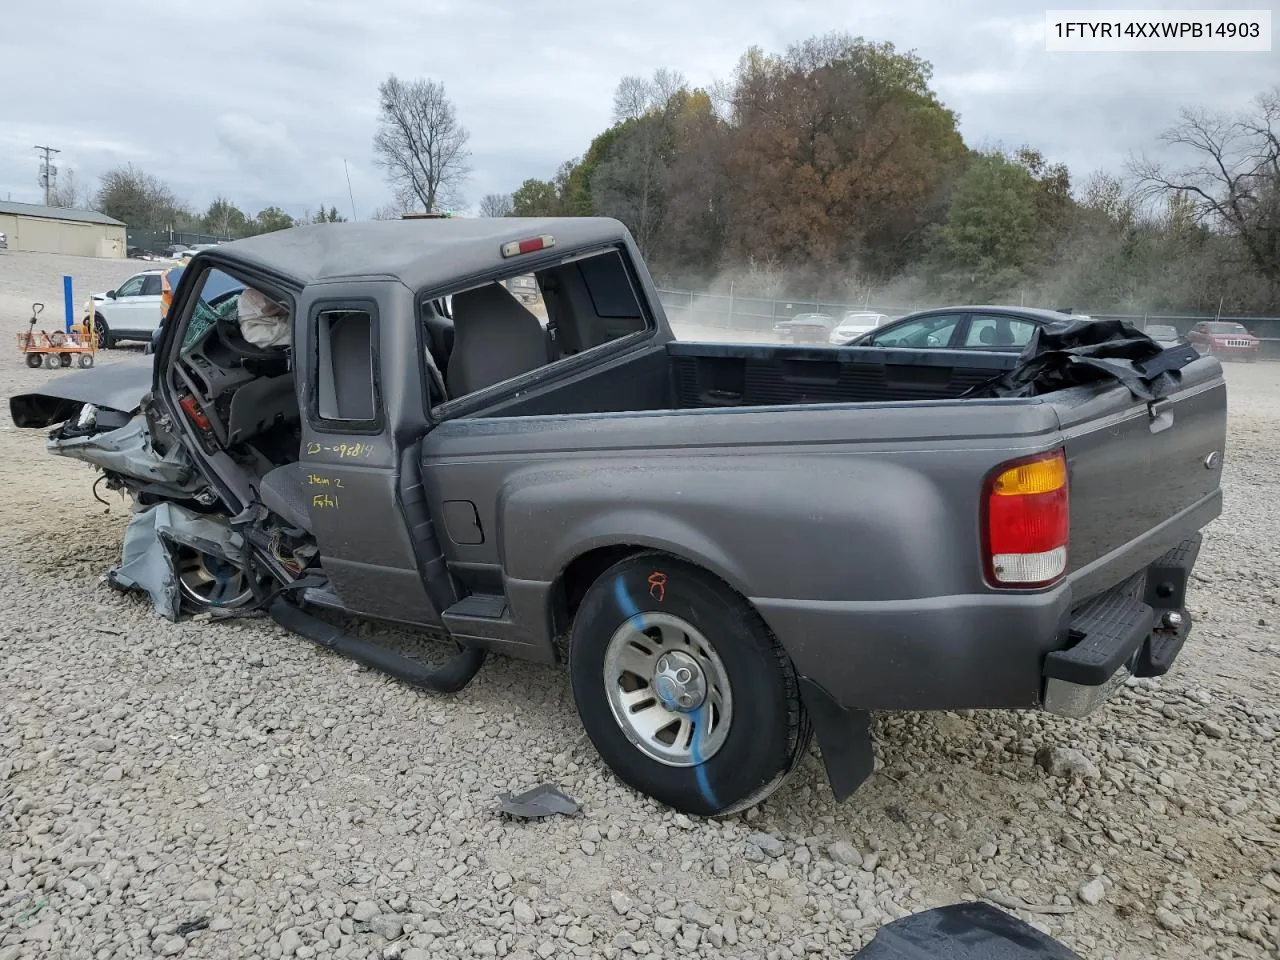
x=1076 y=352
x=147 y=562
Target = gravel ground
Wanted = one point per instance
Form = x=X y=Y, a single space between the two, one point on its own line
x=228 y=790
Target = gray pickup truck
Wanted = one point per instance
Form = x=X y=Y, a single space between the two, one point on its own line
x=732 y=546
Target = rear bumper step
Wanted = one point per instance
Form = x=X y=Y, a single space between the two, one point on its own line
x=1135 y=629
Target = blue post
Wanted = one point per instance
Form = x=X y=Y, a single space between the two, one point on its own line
x=68 y=302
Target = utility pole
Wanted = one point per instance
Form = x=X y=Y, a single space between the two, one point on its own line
x=47 y=173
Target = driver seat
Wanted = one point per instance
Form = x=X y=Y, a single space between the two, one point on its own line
x=283 y=491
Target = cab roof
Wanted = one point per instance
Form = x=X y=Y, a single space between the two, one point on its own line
x=421 y=253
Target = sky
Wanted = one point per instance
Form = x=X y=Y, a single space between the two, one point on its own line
x=263 y=100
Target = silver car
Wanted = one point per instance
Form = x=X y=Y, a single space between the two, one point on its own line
x=1163 y=334
x=4 y=242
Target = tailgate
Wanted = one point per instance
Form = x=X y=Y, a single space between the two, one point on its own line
x=1143 y=476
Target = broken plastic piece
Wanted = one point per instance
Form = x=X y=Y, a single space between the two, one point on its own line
x=543 y=800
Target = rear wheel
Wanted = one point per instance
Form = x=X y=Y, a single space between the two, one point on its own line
x=34 y=360
x=682 y=689
x=51 y=361
x=86 y=360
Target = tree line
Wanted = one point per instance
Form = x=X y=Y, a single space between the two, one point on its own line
x=834 y=170
x=146 y=202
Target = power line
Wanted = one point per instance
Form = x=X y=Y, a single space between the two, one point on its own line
x=349 y=192
x=47 y=172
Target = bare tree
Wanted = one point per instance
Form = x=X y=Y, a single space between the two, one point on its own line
x=420 y=142
x=68 y=192
x=496 y=205
x=1233 y=184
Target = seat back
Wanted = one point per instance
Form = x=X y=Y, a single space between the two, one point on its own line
x=495 y=338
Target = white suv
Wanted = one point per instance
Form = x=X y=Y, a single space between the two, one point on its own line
x=129 y=312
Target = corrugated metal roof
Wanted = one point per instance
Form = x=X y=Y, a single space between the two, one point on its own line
x=56 y=213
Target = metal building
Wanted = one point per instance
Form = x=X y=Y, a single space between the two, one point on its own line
x=40 y=229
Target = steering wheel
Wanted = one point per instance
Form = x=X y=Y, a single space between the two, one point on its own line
x=234 y=341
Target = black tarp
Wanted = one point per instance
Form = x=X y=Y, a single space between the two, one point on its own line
x=1076 y=352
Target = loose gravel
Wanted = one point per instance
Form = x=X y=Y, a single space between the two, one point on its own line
x=228 y=790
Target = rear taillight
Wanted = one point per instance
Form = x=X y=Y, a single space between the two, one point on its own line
x=1026 y=522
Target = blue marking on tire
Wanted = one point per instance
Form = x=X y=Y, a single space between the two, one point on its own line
x=695 y=751
x=623 y=596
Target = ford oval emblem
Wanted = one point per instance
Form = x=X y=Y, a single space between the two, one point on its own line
x=1211 y=461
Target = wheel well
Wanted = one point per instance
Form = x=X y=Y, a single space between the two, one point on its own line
x=577 y=578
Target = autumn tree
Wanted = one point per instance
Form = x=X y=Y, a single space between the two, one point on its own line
x=840 y=153
x=420 y=142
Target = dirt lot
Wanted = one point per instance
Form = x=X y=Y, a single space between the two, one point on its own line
x=226 y=790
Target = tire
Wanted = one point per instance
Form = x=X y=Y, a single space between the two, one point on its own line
x=51 y=361
x=64 y=360
x=753 y=727
x=86 y=361
x=35 y=360
x=103 y=332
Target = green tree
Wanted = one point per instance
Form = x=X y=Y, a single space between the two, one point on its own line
x=270 y=219
x=536 y=198
x=225 y=219
x=981 y=248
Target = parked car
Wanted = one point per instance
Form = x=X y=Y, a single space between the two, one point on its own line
x=854 y=324
x=1226 y=339
x=131 y=311
x=1163 y=334
x=957 y=328
x=672 y=519
x=805 y=328
x=4 y=242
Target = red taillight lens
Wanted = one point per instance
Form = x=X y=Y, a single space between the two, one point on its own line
x=1027 y=522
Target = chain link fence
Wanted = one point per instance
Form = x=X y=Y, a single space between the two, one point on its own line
x=756 y=315
x=156 y=243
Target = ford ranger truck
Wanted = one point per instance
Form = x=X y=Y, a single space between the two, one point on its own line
x=731 y=546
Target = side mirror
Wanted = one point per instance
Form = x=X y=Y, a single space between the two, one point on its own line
x=111 y=294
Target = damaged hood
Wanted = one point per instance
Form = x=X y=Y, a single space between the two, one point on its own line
x=118 y=386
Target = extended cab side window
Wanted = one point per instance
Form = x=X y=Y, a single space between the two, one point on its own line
x=345 y=366
x=505 y=329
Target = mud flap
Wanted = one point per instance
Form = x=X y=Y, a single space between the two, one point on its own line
x=963 y=931
x=844 y=738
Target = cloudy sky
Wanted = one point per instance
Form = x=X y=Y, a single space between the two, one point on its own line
x=262 y=100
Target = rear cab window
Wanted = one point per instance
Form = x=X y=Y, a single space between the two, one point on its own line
x=478 y=338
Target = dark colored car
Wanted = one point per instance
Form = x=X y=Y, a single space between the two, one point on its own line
x=805 y=328
x=732 y=546
x=1226 y=339
x=959 y=328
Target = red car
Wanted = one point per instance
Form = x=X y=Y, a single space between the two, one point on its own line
x=1226 y=339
